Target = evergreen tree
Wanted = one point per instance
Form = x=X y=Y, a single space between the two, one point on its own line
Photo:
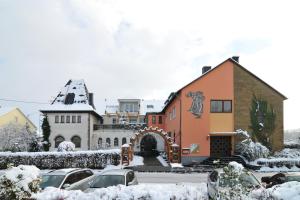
x=262 y=118
x=46 y=133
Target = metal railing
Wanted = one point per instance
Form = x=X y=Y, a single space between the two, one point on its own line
x=120 y=126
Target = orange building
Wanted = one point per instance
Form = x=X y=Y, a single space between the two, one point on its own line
x=203 y=116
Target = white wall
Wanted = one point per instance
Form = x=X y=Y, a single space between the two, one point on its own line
x=68 y=130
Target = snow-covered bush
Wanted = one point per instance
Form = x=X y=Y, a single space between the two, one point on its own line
x=56 y=160
x=66 y=146
x=15 y=137
x=231 y=186
x=19 y=182
x=249 y=149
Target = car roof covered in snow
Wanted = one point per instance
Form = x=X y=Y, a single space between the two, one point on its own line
x=116 y=172
x=63 y=171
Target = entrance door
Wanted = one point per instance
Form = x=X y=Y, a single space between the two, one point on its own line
x=220 y=146
x=148 y=145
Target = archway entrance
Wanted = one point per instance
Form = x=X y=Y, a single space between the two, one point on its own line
x=148 y=146
x=172 y=150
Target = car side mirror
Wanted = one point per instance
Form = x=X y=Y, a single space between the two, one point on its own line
x=66 y=185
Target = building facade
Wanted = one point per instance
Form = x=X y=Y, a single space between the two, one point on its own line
x=122 y=118
x=72 y=116
x=15 y=116
x=203 y=116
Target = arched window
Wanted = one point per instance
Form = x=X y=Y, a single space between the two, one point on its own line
x=124 y=140
x=116 y=142
x=107 y=142
x=77 y=141
x=100 y=143
x=58 y=140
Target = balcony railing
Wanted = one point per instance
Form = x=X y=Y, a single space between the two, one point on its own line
x=120 y=126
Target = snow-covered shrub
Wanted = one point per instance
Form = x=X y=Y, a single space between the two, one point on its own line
x=56 y=160
x=249 y=149
x=66 y=146
x=19 y=182
x=15 y=137
x=231 y=186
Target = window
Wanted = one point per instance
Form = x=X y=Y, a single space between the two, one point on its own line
x=68 y=119
x=132 y=120
x=56 y=119
x=58 y=140
x=174 y=113
x=220 y=106
x=78 y=119
x=62 y=119
x=160 y=119
x=77 y=141
x=73 y=119
x=153 y=119
x=124 y=140
x=114 y=120
x=100 y=142
x=150 y=106
x=107 y=142
x=116 y=142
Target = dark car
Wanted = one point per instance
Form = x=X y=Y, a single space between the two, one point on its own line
x=280 y=178
x=64 y=178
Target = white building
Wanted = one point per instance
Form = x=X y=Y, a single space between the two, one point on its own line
x=122 y=118
x=72 y=116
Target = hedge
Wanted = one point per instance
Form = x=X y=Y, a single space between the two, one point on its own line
x=56 y=160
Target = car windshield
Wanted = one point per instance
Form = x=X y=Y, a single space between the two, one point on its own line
x=51 y=181
x=108 y=180
x=246 y=179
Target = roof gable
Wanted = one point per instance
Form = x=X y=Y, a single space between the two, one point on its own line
x=174 y=94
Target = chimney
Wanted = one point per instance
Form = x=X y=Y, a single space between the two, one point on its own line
x=205 y=69
x=236 y=58
x=91 y=100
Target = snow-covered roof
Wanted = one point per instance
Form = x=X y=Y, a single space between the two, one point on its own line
x=74 y=92
x=74 y=96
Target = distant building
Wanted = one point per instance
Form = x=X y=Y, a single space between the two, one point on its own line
x=122 y=118
x=10 y=115
x=203 y=116
x=72 y=116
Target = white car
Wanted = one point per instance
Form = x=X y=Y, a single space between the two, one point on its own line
x=65 y=178
x=111 y=178
x=214 y=185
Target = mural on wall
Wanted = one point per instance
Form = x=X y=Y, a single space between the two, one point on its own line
x=197 y=103
x=262 y=120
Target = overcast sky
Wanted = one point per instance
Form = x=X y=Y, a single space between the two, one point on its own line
x=144 y=49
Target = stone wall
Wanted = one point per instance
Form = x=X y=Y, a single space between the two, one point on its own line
x=245 y=86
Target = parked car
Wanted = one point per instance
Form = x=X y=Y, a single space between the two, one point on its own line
x=214 y=185
x=111 y=178
x=64 y=178
x=280 y=178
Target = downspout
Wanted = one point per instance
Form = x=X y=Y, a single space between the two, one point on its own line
x=180 y=128
x=89 y=133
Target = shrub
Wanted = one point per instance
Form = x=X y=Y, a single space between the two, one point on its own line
x=19 y=182
x=66 y=146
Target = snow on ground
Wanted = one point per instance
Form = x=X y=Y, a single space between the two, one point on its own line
x=173 y=165
x=142 y=191
x=286 y=191
x=162 y=161
x=137 y=160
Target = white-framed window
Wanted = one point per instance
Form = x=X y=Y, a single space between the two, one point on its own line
x=78 y=119
x=56 y=119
